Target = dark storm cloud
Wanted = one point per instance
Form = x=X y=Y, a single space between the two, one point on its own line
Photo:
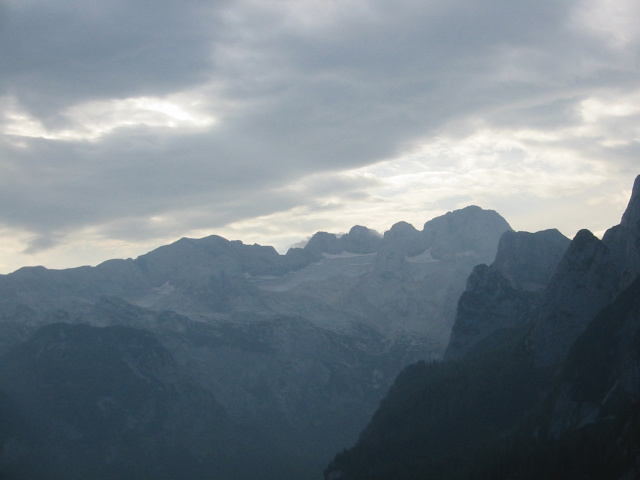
x=289 y=90
x=56 y=54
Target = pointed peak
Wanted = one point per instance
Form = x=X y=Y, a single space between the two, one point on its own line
x=632 y=213
x=582 y=239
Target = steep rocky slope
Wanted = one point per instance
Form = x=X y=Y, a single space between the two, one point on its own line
x=556 y=398
x=602 y=369
x=506 y=294
x=589 y=277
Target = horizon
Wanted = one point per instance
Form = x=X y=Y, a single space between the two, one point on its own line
x=126 y=126
x=302 y=243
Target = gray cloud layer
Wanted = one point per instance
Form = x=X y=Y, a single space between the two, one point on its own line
x=261 y=94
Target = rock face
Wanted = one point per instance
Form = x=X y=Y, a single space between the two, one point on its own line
x=506 y=294
x=298 y=347
x=624 y=239
x=589 y=277
x=602 y=371
x=529 y=260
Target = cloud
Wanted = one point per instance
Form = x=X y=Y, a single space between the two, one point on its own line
x=93 y=120
x=129 y=123
x=614 y=22
x=41 y=243
x=58 y=55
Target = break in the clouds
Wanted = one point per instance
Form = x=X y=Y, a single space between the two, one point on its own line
x=127 y=124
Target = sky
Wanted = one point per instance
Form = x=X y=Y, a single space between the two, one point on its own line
x=128 y=124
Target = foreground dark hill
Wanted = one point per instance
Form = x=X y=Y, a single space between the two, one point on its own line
x=540 y=384
x=294 y=350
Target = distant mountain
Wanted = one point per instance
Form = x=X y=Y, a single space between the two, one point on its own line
x=540 y=382
x=359 y=240
x=294 y=351
x=468 y=231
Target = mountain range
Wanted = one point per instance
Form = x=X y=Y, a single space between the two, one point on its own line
x=541 y=378
x=230 y=358
x=462 y=350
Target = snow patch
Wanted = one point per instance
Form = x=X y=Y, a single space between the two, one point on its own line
x=154 y=295
x=346 y=264
x=165 y=289
x=424 y=257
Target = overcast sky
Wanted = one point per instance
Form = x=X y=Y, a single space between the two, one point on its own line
x=127 y=124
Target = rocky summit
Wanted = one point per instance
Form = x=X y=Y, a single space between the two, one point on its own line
x=506 y=294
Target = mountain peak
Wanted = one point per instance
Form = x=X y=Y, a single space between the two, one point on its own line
x=624 y=239
x=529 y=259
x=631 y=215
x=503 y=295
x=360 y=230
x=323 y=242
x=586 y=280
x=468 y=229
x=401 y=228
x=361 y=240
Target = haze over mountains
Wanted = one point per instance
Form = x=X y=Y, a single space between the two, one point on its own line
x=225 y=360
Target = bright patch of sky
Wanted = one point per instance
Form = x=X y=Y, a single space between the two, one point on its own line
x=95 y=119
